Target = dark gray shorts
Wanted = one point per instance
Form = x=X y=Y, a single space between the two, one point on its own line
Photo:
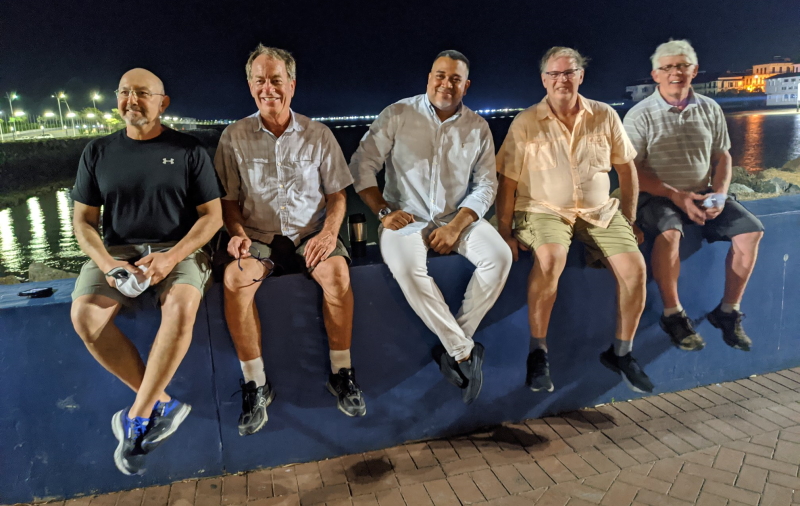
x=658 y=214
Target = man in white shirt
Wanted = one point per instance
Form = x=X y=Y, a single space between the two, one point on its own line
x=685 y=170
x=440 y=181
x=285 y=179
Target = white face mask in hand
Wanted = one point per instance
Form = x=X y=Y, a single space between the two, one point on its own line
x=129 y=284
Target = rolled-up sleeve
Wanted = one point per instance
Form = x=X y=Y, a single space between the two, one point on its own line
x=373 y=149
x=484 y=176
x=227 y=167
x=622 y=150
x=333 y=171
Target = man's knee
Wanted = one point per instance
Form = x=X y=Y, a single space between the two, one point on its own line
x=747 y=243
x=552 y=258
x=333 y=276
x=91 y=314
x=670 y=238
x=236 y=279
x=180 y=304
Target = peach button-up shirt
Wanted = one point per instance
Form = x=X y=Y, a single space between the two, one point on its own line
x=561 y=172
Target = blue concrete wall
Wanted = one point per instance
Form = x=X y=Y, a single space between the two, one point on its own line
x=55 y=437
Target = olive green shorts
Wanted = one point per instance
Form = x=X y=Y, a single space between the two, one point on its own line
x=536 y=229
x=193 y=270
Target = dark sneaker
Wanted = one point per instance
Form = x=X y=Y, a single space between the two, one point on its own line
x=448 y=366
x=129 y=456
x=164 y=421
x=471 y=369
x=350 y=399
x=680 y=329
x=731 y=326
x=538 y=377
x=627 y=367
x=255 y=400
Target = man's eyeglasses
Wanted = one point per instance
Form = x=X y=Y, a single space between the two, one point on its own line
x=269 y=265
x=569 y=74
x=683 y=67
x=139 y=94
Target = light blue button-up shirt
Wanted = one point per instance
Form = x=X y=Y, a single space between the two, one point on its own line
x=433 y=167
x=281 y=183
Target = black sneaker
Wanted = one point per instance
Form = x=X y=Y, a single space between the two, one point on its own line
x=164 y=421
x=350 y=400
x=129 y=456
x=538 y=377
x=731 y=326
x=255 y=400
x=630 y=370
x=448 y=366
x=471 y=370
x=680 y=329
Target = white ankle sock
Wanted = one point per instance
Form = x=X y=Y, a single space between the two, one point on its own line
x=340 y=359
x=729 y=308
x=253 y=370
x=669 y=311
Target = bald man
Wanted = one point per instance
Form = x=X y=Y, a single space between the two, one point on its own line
x=160 y=200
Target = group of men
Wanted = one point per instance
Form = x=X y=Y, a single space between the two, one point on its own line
x=278 y=184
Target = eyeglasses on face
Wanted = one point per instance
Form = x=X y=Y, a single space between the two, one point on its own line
x=683 y=67
x=139 y=94
x=569 y=74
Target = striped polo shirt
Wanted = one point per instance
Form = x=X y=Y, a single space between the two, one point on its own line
x=677 y=145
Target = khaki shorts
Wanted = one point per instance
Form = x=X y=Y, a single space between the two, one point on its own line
x=287 y=258
x=194 y=270
x=536 y=229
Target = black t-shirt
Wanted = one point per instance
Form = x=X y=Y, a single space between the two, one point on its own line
x=149 y=189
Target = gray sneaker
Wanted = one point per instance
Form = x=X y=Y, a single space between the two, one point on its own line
x=680 y=329
x=255 y=400
x=731 y=325
x=350 y=400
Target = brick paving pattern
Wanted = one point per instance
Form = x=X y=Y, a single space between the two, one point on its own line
x=729 y=444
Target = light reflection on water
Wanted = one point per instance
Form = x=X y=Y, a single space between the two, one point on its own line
x=762 y=141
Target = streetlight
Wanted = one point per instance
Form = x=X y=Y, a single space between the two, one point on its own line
x=59 y=96
x=95 y=96
x=10 y=97
x=71 y=115
x=48 y=114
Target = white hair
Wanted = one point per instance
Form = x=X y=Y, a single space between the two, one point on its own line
x=674 y=48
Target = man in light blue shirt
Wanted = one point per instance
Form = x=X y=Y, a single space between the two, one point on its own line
x=440 y=180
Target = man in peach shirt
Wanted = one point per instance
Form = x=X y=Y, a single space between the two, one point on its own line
x=553 y=172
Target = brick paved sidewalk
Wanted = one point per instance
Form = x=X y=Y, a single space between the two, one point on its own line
x=730 y=444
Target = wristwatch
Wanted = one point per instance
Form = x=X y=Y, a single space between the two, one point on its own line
x=383 y=213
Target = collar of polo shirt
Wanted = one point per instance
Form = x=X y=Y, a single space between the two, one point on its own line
x=691 y=100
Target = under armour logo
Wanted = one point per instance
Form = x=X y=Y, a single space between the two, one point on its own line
x=170 y=160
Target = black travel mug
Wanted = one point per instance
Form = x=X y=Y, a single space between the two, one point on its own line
x=358 y=234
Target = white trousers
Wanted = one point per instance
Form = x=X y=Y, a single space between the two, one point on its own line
x=481 y=244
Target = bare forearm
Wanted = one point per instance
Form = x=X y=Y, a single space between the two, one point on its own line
x=91 y=243
x=650 y=183
x=629 y=189
x=232 y=216
x=504 y=205
x=723 y=171
x=202 y=232
x=373 y=197
x=463 y=218
x=335 y=209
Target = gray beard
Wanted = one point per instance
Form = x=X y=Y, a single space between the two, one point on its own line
x=139 y=122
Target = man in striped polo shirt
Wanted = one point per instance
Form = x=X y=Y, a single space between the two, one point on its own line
x=684 y=168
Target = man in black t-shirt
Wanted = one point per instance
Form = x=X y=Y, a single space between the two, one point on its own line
x=161 y=204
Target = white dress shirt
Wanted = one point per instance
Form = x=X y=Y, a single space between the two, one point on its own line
x=281 y=183
x=433 y=167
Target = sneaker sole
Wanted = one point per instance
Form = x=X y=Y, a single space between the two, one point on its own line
x=715 y=323
x=540 y=389
x=678 y=345
x=116 y=428
x=266 y=417
x=339 y=405
x=617 y=370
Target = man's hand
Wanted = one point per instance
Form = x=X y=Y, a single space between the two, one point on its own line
x=397 y=220
x=239 y=246
x=687 y=201
x=159 y=265
x=443 y=239
x=515 y=246
x=135 y=271
x=713 y=212
x=318 y=248
x=637 y=232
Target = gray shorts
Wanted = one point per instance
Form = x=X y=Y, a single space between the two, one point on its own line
x=659 y=214
x=288 y=259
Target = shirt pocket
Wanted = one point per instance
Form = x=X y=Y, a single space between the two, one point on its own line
x=599 y=151
x=258 y=174
x=305 y=176
x=539 y=155
x=463 y=154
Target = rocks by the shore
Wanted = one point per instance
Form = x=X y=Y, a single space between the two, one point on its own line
x=41 y=272
x=9 y=280
x=792 y=189
x=737 y=188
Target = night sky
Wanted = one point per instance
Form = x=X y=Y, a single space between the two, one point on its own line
x=357 y=57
